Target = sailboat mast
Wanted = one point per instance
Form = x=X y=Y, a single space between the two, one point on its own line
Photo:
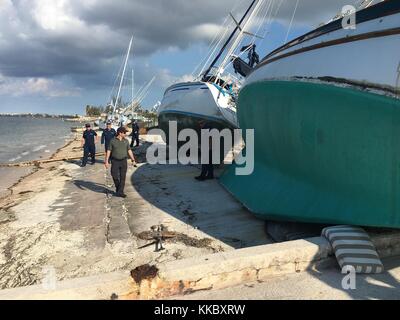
x=229 y=40
x=123 y=75
x=133 y=84
x=238 y=39
x=133 y=87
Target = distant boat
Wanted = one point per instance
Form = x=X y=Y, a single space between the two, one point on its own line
x=325 y=108
x=213 y=97
x=122 y=115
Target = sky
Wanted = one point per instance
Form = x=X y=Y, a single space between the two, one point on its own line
x=57 y=56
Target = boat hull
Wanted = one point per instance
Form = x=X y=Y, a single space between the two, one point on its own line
x=187 y=120
x=323 y=154
x=189 y=103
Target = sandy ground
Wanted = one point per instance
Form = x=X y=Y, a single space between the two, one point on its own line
x=65 y=218
x=11 y=176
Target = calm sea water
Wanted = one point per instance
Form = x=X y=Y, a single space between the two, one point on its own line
x=24 y=139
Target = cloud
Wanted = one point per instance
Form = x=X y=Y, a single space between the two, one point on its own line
x=43 y=42
x=35 y=86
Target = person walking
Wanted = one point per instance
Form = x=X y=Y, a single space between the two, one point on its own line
x=109 y=133
x=119 y=151
x=88 y=143
x=135 y=134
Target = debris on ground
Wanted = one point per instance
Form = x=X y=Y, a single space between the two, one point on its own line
x=144 y=272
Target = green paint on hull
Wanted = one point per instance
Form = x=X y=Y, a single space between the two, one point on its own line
x=323 y=154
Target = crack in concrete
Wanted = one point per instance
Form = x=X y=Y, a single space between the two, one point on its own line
x=107 y=215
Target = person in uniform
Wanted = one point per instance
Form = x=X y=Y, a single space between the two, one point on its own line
x=207 y=170
x=135 y=134
x=119 y=151
x=108 y=134
x=89 y=140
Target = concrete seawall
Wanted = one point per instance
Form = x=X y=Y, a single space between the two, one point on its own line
x=216 y=271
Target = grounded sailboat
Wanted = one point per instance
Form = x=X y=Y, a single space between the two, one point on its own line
x=325 y=109
x=213 y=97
x=119 y=114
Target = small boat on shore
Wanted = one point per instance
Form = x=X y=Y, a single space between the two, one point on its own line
x=325 y=110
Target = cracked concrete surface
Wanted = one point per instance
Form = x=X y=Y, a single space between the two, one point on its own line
x=65 y=217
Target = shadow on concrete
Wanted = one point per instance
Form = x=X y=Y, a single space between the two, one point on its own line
x=76 y=162
x=89 y=163
x=92 y=186
x=282 y=231
x=206 y=205
x=382 y=286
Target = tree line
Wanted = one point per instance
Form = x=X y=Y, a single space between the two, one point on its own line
x=94 y=111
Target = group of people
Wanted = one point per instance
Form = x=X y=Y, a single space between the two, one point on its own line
x=117 y=150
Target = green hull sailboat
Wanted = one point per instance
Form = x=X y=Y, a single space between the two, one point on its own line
x=326 y=119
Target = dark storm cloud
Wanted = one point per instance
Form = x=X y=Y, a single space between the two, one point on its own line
x=85 y=40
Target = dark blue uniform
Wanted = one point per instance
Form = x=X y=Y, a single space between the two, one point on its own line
x=107 y=136
x=207 y=170
x=89 y=146
x=135 y=134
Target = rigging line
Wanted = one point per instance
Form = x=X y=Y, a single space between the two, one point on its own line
x=238 y=39
x=117 y=78
x=271 y=18
x=211 y=56
x=217 y=46
x=209 y=49
x=253 y=39
x=267 y=9
x=213 y=48
x=226 y=63
x=146 y=90
x=257 y=12
x=279 y=7
x=291 y=22
x=116 y=75
x=213 y=43
x=229 y=40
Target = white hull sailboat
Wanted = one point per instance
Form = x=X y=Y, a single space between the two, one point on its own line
x=213 y=97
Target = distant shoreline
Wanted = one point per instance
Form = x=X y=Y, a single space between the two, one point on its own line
x=39 y=115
